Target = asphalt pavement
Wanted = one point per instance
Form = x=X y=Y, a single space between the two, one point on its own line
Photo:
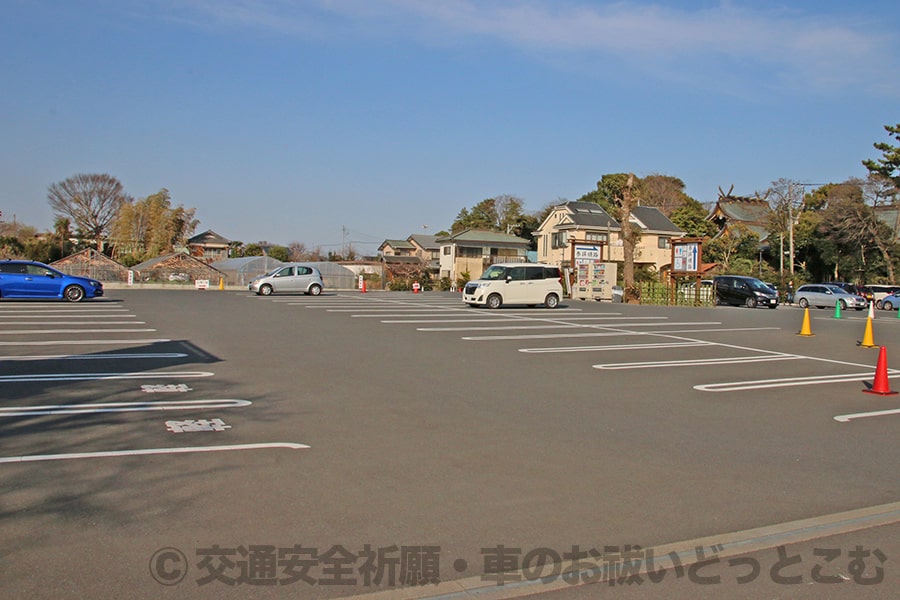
x=216 y=444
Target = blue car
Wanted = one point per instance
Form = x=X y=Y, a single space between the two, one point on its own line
x=30 y=279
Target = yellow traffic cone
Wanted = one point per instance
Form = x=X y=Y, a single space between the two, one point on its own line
x=221 y=283
x=868 y=342
x=805 y=329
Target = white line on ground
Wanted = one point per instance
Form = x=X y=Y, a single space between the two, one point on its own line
x=97 y=356
x=84 y=342
x=567 y=326
x=150 y=451
x=697 y=362
x=103 y=376
x=114 y=407
x=661 y=333
x=761 y=384
x=614 y=347
x=865 y=415
x=28 y=331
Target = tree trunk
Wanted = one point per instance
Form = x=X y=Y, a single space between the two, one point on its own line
x=628 y=239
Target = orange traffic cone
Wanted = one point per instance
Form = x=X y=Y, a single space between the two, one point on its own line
x=805 y=329
x=868 y=342
x=881 y=385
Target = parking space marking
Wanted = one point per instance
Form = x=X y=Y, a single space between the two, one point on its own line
x=116 y=407
x=103 y=376
x=762 y=384
x=84 y=342
x=151 y=451
x=550 y=336
x=97 y=356
x=100 y=330
x=487 y=319
x=565 y=326
x=98 y=321
x=551 y=350
x=697 y=362
x=865 y=415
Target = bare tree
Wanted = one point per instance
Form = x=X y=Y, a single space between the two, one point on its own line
x=630 y=235
x=91 y=201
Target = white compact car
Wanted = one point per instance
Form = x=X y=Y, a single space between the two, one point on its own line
x=515 y=283
x=289 y=278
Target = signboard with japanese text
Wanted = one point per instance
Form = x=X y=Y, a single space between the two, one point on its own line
x=686 y=256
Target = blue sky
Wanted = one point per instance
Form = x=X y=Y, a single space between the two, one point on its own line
x=336 y=121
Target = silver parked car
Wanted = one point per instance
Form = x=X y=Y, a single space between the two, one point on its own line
x=823 y=295
x=289 y=278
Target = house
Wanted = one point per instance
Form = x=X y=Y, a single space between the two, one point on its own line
x=410 y=258
x=92 y=264
x=208 y=246
x=397 y=248
x=466 y=255
x=178 y=268
x=732 y=212
x=588 y=223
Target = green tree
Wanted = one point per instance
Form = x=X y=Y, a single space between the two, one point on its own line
x=253 y=250
x=91 y=201
x=690 y=217
x=151 y=227
x=888 y=166
x=280 y=253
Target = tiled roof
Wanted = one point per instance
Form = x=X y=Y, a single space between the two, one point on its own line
x=654 y=220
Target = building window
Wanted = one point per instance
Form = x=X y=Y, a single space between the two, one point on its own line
x=596 y=237
x=446 y=250
x=663 y=242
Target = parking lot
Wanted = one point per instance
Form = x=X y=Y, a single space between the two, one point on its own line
x=217 y=444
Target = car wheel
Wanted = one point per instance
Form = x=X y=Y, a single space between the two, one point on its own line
x=551 y=301
x=494 y=301
x=266 y=290
x=315 y=289
x=803 y=302
x=878 y=304
x=750 y=302
x=887 y=306
x=73 y=293
x=843 y=304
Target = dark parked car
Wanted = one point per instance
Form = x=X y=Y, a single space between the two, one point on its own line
x=740 y=290
x=30 y=279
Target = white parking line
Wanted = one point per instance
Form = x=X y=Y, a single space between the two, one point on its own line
x=97 y=356
x=865 y=415
x=85 y=342
x=566 y=326
x=698 y=362
x=99 y=321
x=26 y=331
x=761 y=384
x=103 y=376
x=114 y=407
x=151 y=451
x=662 y=333
x=614 y=347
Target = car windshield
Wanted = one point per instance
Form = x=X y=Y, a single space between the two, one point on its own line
x=758 y=286
x=493 y=273
x=836 y=289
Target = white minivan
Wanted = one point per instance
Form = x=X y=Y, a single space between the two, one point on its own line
x=515 y=283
